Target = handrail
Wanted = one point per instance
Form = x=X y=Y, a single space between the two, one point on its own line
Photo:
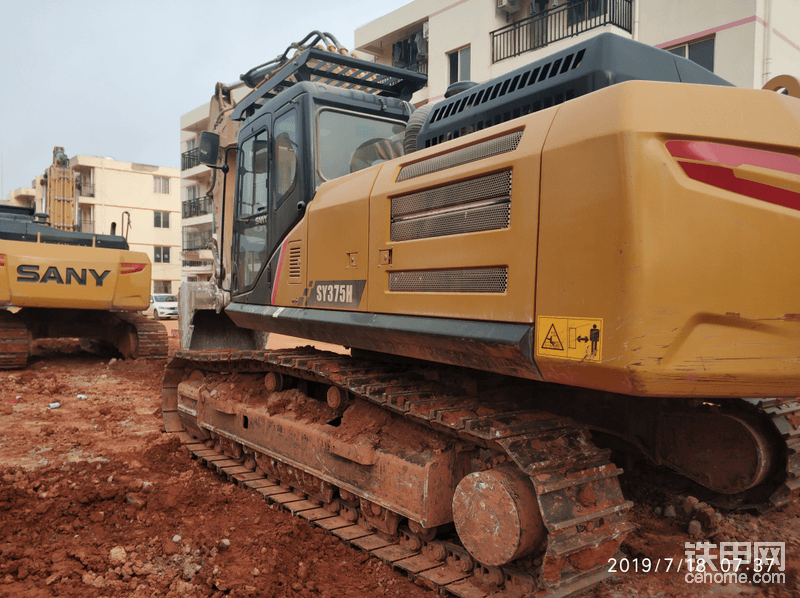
x=555 y=24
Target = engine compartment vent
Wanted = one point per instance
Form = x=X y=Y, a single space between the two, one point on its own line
x=587 y=66
x=295 y=263
x=465 y=280
x=465 y=155
x=475 y=205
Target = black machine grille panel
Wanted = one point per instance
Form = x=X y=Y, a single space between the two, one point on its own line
x=588 y=66
x=465 y=155
x=468 y=280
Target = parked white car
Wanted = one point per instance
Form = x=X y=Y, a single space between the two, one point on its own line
x=163 y=306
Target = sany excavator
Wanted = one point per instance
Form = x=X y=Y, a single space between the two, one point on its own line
x=602 y=242
x=70 y=284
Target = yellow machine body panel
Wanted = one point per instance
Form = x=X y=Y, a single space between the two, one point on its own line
x=460 y=239
x=696 y=283
x=338 y=229
x=67 y=276
x=341 y=232
x=638 y=275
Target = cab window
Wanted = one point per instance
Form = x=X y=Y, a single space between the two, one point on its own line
x=349 y=142
x=253 y=169
x=286 y=144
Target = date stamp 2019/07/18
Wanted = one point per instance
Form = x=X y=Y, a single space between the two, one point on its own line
x=707 y=563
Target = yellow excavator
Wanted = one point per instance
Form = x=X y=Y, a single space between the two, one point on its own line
x=56 y=282
x=601 y=243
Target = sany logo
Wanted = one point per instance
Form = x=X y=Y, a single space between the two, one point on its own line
x=30 y=273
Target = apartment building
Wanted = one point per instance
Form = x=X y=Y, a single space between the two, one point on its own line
x=197 y=210
x=22 y=196
x=746 y=42
x=147 y=196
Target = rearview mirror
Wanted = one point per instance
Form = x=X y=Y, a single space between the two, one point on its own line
x=209 y=148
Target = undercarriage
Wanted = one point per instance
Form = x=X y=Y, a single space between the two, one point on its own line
x=130 y=334
x=473 y=483
x=403 y=461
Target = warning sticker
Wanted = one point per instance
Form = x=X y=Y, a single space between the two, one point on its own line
x=579 y=339
x=552 y=340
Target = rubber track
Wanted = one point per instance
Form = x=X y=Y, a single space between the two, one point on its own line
x=152 y=335
x=15 y=342
x=785 y=416
x=559 y=462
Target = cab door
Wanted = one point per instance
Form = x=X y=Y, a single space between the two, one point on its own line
x=252 y=223
x=288 y=198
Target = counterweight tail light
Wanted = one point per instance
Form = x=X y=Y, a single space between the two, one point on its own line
x=131 y=268
x=767 y=176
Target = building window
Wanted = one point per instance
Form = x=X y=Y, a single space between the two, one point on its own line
x=161 y=219
x=191 y=192
x=579 y=11
x=701 y=52
x=459 y=65
x=411 y=53
x=161 y=255
x=87 y=218
x=162 y=287
x=161 y=184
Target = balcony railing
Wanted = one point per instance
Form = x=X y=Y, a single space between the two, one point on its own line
x=195 y=241
x=420 y=66
x=87 y=190
x=197 y=207
x=190 y=158
x=196 y=264
x=568 y=20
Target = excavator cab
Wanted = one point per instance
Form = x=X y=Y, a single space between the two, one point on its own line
x=322 y=117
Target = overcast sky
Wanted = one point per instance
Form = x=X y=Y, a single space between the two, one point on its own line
x=112 y=78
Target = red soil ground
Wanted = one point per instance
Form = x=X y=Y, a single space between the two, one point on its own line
x=96 y=502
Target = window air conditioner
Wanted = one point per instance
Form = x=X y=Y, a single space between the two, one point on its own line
x=508 y=6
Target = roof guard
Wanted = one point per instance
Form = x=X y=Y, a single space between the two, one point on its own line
x=320 y=66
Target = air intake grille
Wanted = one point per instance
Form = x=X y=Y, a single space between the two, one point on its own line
x=465 y=155
x=488 y=187
x=490 y=217
x=466 y=207
x=295 y=255
x=473 y=280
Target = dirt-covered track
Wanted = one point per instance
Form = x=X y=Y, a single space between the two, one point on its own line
x=576 y=485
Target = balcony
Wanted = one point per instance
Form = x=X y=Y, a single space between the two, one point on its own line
x=559 y=23
x=197 y=207
x=87 y=190
x=190 y=158
x=193 y=241
x=411 y=53
x=420 y=66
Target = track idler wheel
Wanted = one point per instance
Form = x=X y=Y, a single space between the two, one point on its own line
x=725 y=452
x=497 y=516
